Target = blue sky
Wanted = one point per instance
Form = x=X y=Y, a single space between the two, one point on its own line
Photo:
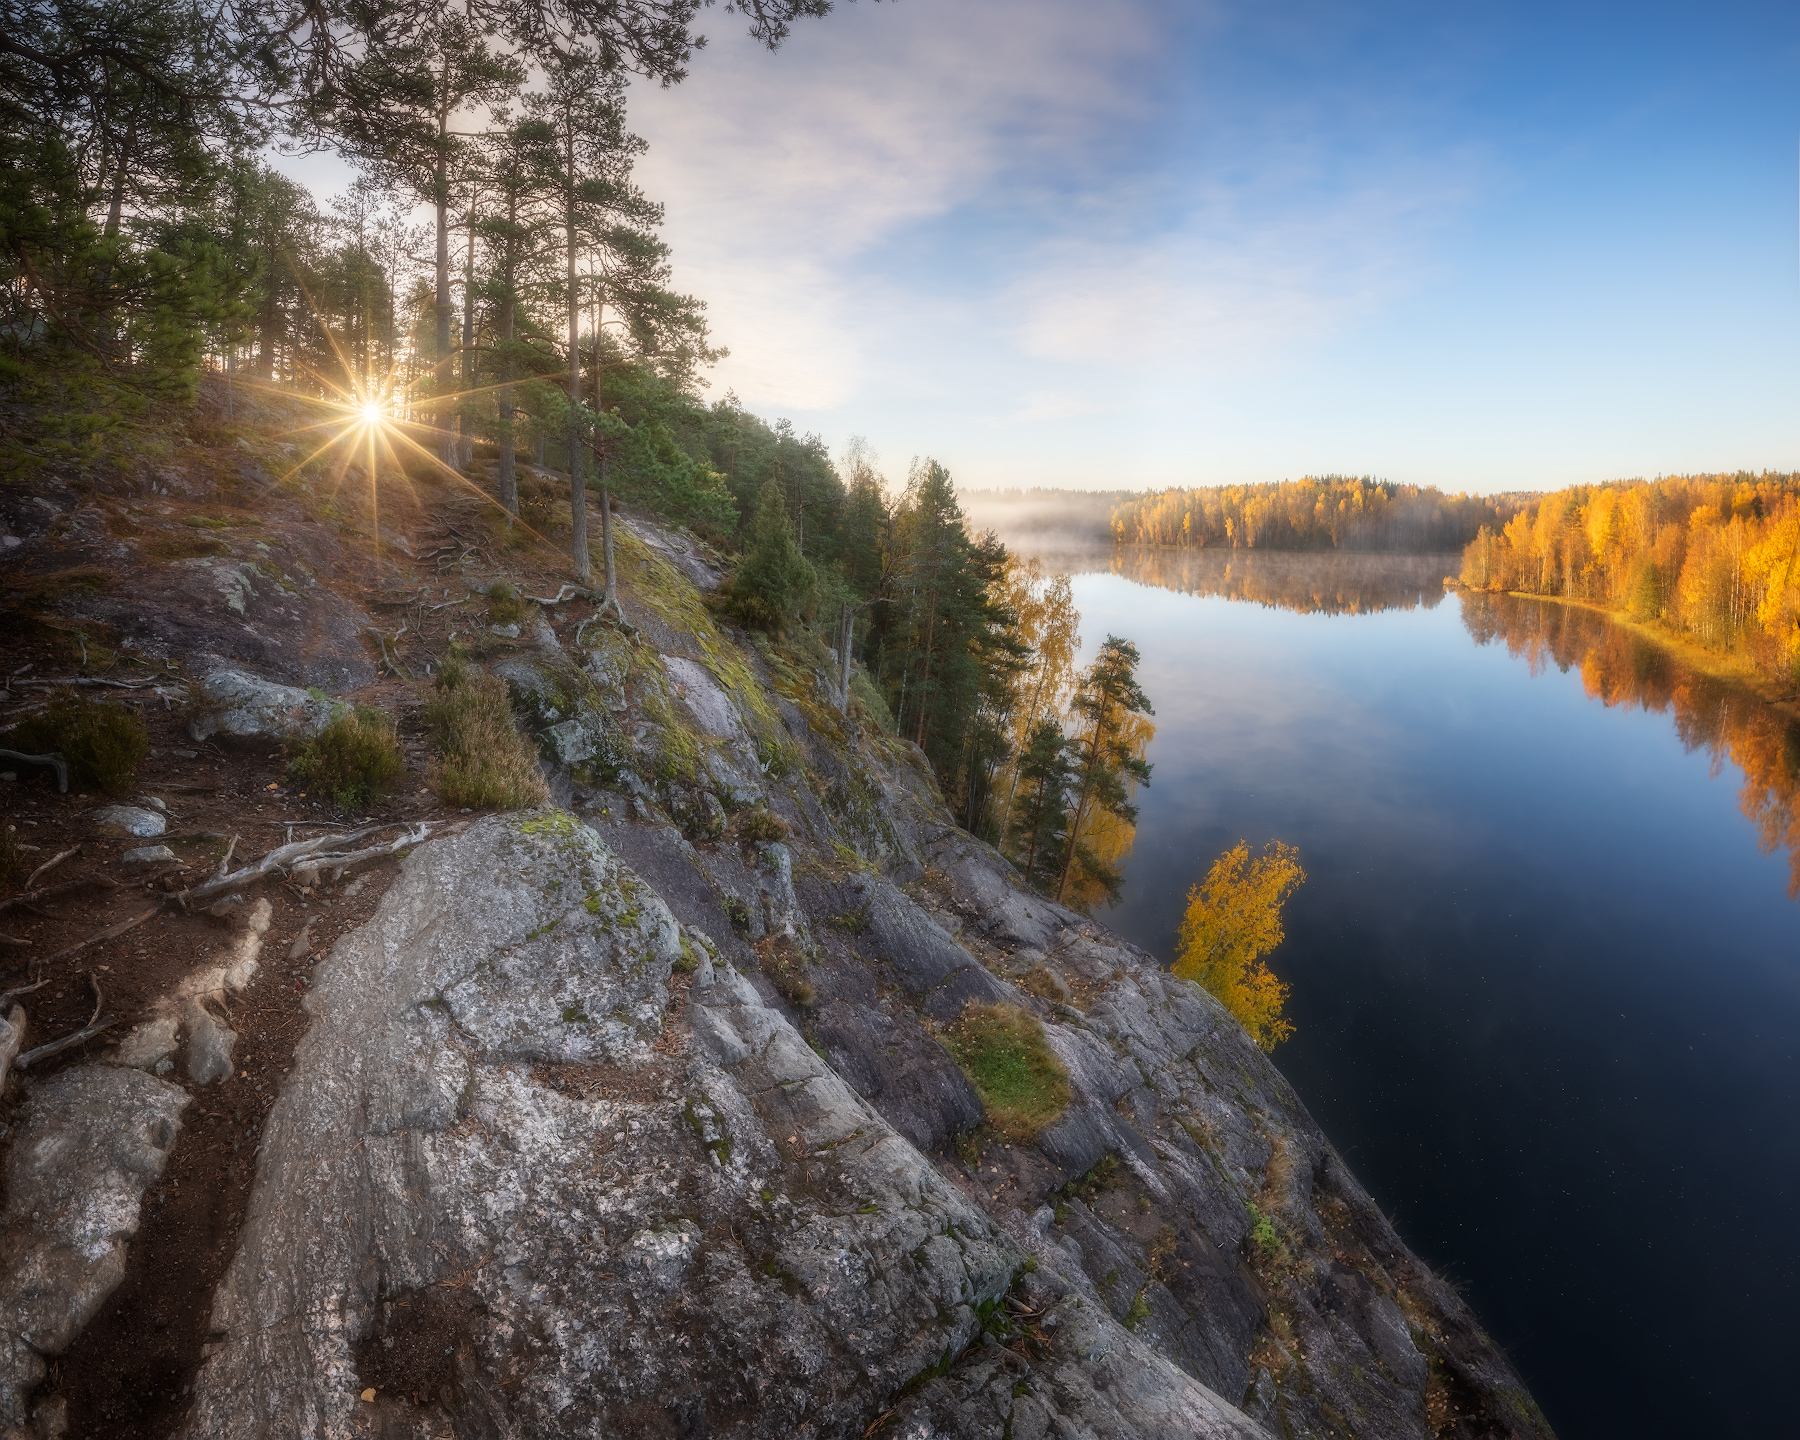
x=1130 y=243
x=1140 y=243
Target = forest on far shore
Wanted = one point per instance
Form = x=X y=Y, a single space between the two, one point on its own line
x=1330 y=512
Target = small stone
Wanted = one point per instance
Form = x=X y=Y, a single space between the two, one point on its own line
x=155 y=802
x=150 y=855
x=149 y=1046
x=185 y=754
x=505 y=632
x=369 y=1395
x=209 y=1047
x=128 y=820
x=9 y=775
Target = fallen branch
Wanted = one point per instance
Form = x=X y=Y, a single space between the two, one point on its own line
x=568 y=592
x=7 y=996
x=433 y=609
x=61 y=765
x=93 y=681
x=50 y=892
x=112 y=932
x=284 y=858
x=51 y=864
x=94 y=1026
x=8 y=940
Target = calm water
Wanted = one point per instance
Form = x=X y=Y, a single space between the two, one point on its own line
x=1546 y=981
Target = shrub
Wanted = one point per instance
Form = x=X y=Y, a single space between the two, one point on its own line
x=1012 y=1067
x=353 y=761
x=505 y=605
x=485 y=759
x=103 y=740
x=760 y=825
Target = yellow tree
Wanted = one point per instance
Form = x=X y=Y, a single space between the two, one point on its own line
x=1233 y=919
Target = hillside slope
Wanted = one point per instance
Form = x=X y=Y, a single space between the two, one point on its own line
x=637 y=1114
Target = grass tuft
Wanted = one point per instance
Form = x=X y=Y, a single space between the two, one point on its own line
x=1012 y=1067
x=505 y=605
x=486 y=762
x=103 y=740
x=353 y=761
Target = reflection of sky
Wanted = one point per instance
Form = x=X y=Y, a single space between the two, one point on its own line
x=1547 y=988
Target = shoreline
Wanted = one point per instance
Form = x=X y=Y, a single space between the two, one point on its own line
x=1733 y=669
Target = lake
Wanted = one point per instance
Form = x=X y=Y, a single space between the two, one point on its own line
x=1546 y=966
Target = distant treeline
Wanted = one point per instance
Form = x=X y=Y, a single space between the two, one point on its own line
x=1330 y=512
x=1715 y=558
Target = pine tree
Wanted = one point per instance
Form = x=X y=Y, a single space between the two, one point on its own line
x=775 y=577
x=1040 y=813
x=1106 y=769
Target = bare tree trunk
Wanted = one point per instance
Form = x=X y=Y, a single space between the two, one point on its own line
x=440 y=184
x=846 y=633
x=610 y=599
x=467 y=425
x=507 y=471
x=577 y=485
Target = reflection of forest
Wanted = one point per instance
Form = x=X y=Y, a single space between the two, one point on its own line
x=1332 y=583
x=1622 y=668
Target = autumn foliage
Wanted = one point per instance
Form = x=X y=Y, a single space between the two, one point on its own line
x=1714 y=558
x=1233 y=919
x=1332 y=512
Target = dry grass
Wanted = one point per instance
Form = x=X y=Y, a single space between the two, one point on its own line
x=103 y=741
x=485 y=760
x=353 y=761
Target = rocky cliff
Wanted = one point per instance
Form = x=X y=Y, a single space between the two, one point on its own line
x=634 y=1114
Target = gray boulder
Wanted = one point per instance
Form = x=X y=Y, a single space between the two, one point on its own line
x=131 y=820
x=239 y=705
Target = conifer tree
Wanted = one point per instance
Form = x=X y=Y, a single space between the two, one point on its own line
x=1106 y=770
x=774 y=578
x=1040 y=812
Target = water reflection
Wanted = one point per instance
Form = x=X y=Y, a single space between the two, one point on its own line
x=1619 y=667
x=1334 y=583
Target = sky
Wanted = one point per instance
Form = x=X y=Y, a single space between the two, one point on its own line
x=1134 y=243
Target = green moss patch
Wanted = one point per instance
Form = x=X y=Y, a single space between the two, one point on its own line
x=1012 y=1067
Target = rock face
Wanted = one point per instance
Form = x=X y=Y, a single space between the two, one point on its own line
x=91 y=1140
x=575 y=1190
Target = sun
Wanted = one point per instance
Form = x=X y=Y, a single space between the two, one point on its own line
x=371 y=412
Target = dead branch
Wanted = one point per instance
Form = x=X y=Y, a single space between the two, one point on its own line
x=61 y=765
x=50 y=892
x=568 y=592
x=8 y=940
x=51 y=864
x=91 y=681
x=6 y=996
x=284 y=858
x=112 y=932
x=94 y=1026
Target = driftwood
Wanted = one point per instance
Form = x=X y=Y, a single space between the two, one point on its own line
x=51 y=864
x=97 y=683
x=96 y=1023
x=314 y=852
x=61 y=766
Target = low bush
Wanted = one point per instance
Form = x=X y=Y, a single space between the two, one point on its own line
x=103 y=740
x=485 y=761
x=353 y=762
x=759 y=826
x=1012 y=1067
x=505 y=605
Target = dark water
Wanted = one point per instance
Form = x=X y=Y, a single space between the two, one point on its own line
x=1545 y=976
